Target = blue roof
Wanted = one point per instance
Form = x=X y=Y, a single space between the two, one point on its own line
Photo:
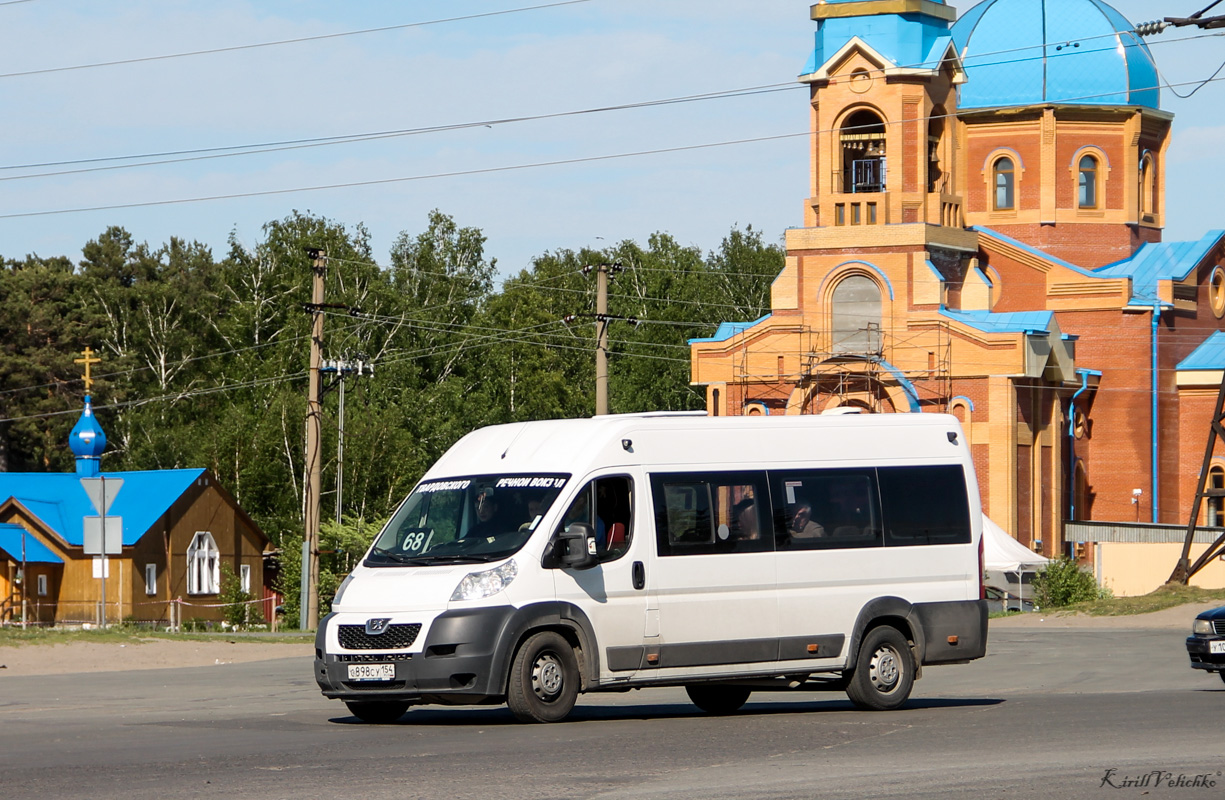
x=11 y=542
x=1160 y=261
x=727 y=330
x=1003 y=322
x=908 y=40
x=1026 y=52
x=61 y=503
x=1209 y=355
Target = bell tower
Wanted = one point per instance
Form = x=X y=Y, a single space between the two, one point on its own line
x=883 y=78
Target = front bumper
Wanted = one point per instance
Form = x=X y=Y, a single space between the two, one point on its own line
x=460 y=658
x=1197 y=649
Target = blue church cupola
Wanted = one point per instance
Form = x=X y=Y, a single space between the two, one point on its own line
x=910 y=34
x=87 y=441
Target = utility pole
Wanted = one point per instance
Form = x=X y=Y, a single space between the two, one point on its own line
x=604 y=273
x=1185 y=570
x=309 y=605
x=601 y=340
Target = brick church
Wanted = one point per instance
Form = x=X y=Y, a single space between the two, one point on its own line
x=983 y=237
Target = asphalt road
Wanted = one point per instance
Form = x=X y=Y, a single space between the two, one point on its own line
x=1048 y=713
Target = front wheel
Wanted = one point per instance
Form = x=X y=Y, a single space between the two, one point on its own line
x=543 y=679
x=884 y=673
x=1222 y=674
x=718 y=699
x=378 y=712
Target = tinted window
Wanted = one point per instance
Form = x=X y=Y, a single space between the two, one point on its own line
x=711 y=513
x=925 y=505
x=819 y=509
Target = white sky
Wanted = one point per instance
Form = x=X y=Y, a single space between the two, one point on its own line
x=566 y=58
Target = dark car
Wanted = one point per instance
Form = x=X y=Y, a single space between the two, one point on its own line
x=999 y=601
x=1206 y=644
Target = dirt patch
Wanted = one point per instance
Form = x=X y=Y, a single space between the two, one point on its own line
x=1176 y=618
x=77 y=657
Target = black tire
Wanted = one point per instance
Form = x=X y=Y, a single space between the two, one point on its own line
x=544 y=679
x=1222 y=674
x=884 y=673
x=718 y=700
x=377 y=712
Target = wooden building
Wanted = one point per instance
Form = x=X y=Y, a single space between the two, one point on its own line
x=181 y=531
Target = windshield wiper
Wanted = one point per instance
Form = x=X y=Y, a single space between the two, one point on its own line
x=421 y=561
x=393 y=556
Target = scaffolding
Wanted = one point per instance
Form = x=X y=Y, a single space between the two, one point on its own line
x=859 y=368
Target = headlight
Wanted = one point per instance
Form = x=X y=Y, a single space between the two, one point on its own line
x=479 y=585
x=1202 y=626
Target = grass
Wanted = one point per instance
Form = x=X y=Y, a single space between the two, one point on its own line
x=1168 y=596
x=120 y=634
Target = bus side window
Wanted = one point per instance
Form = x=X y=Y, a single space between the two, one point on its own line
x=614 y=515
x=712 y=513
x=925 y=505
x=826 y=509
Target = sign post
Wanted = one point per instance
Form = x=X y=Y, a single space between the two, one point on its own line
x=103 y=534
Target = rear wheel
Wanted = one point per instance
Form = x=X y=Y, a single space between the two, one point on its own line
x=718 y=699
x=884 y=673
x=1222 y=674
x=543 y=679
x=377 y=712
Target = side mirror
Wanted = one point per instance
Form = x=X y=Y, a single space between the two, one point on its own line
x=576 y=546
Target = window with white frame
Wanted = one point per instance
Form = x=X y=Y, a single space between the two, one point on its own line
x=244 y=577
x=150 y=578
x=42 y=585
x=1087 y=182
x=203 y=565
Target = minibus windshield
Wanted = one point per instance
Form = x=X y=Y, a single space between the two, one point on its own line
x=465 y=520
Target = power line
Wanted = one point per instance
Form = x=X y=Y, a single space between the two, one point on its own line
x=478 y=171
x=203 y=154
x=231 y=151
x=299 y=40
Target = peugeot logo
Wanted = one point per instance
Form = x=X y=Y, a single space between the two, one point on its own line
x=376 y=626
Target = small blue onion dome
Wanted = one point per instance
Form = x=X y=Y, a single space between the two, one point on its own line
x=87 y=439
x=1072 y=52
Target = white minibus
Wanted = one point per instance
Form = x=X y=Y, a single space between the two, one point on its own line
x=536 y=561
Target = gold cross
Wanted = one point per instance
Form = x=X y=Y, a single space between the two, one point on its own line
x=87 y=361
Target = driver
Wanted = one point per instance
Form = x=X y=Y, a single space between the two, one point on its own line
x=486 y=514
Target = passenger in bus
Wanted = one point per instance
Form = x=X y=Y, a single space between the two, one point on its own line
x=486 y=514
x=848 y=508
x=746 y=519
x=801 y=525
x=533 y=511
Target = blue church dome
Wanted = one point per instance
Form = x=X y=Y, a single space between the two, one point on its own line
x=1027 y=52
x=87 y=441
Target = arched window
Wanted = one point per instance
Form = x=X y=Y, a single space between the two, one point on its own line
x=863 y=153
x=203 y=565
x=1216 y=505
x=1087 y=182
x=856 y=316
x=1005 y=184
x=937 y=180
x=1148 y=200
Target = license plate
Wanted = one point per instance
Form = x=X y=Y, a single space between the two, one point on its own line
x=1217 y=646
x=372 y=672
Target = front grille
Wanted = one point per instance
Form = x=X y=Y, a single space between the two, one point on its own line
x=1218 y=625
x=396 y=637
x=372 y=658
